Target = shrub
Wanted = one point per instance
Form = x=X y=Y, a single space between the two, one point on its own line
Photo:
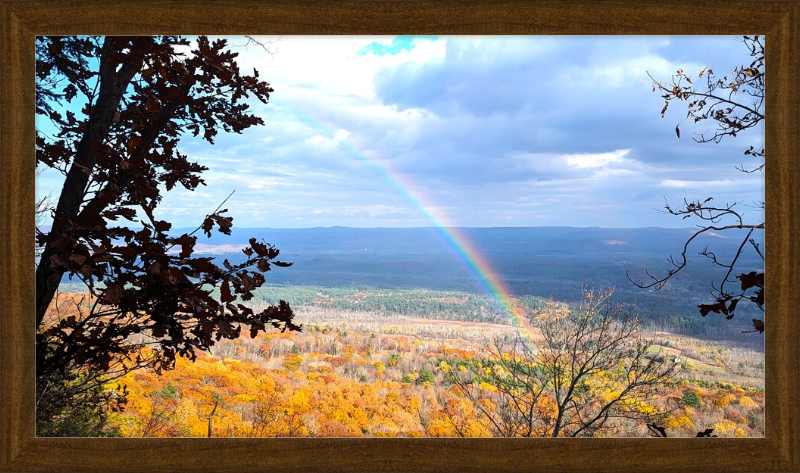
x=425 y=375
x=739 y=432
x=721 y=402
x=170 y=391
x=724 y=427
x=292 y=361
x=393 y=359
x=70 y=414
x=678 y=421
x=753 y=419
x=409 y=378
x=747 y=403
x=735 y=416
x=690 y=398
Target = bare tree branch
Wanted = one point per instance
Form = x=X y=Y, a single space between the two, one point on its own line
x=721 y=103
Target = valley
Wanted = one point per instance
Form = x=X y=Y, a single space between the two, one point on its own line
x=375 y=363
x=401 y=338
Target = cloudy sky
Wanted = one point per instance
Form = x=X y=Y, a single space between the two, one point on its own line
x=467 y=131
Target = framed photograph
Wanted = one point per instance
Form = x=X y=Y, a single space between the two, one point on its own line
x=442 y=194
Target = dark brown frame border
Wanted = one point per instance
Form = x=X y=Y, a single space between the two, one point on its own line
x=21 y=20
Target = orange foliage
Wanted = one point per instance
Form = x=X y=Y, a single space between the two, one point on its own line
x=349 y=392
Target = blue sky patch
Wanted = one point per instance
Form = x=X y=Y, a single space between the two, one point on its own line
x=399 y=43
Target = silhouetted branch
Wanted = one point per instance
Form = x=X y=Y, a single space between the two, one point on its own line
x=720 y=104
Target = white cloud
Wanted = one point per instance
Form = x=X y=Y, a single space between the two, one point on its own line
x=329 y=66
x=341 y=135
x=595 y=160
x=687 y=184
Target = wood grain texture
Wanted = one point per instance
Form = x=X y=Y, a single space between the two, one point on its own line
x=22 y=20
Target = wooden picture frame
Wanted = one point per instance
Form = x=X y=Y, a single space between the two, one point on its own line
x=22 y=20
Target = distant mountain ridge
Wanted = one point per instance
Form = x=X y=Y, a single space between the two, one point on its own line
x=504 y=240
x=533 y=260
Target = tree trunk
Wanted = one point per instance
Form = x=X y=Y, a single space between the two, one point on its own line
x=112 y=86
x=211 y=417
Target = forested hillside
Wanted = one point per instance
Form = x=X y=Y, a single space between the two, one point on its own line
x=386 y=363
x=364 y=366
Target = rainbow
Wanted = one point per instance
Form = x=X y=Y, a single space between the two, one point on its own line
x=454 y=238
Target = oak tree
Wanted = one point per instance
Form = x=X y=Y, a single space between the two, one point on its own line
x=110 y=114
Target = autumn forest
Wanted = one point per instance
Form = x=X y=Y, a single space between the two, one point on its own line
x=378 y=373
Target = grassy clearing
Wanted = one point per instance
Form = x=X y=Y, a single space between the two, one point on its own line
x=687 y=363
